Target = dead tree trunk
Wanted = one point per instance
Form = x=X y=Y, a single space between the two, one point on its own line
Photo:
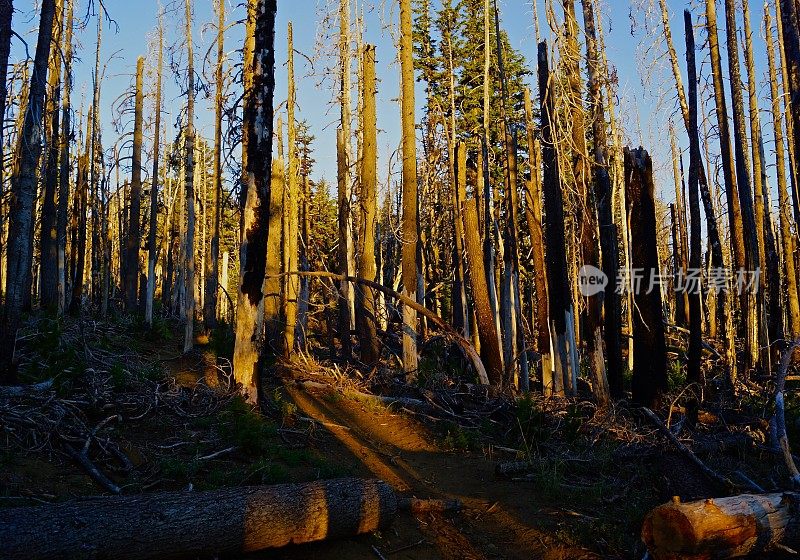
x=561 y=310
x=410 y=221
x=273 y=283
x=93 y=133
x=6 y=14
x=189 y=297
x=533 y=209
x=649 y=346
x=79 y=240
x=291 y=229
x=367 y=316
x=728 y=170
x=786 y=89
x=460 y=304
x=694 y=371
x=734 y=527
x=256 y=211
x=490 y=347
x=64 y=163
x=211 y=297
x=769 y=279
x=346 y=264
x=235 y=521
x=605 y=213
x=516 y=329
x=23 y=184
x=152 y=247
x=790 y=26
x=595 y=346
x=751 y=310
x=48 y=250
x=133 y=238
x=787 y=239
x=681 y=251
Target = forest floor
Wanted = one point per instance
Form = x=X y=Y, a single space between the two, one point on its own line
x=151 y=419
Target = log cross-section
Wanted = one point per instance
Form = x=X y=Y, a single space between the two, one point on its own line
x=732 y=527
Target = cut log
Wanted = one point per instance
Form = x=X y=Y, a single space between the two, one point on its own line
x=177 y=525
x=733 y=527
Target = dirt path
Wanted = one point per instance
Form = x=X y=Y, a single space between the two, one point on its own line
x=499 y=519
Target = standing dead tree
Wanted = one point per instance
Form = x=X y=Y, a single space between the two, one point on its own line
x=23 y=187
x=152 y=247
x=189 y=147
x=694 y=373
x=132 y=240
x=605 y=214
x=410 y=220
x=561 y=310
x=649 y=345
x=260 y=77
x=210 y=307
x=367 y=269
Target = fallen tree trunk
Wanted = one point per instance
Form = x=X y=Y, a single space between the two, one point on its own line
x=177 y=525
x=733 y=527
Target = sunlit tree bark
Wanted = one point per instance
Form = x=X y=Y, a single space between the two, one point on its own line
x=256 y=210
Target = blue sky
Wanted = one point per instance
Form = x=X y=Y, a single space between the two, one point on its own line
x=630 y=32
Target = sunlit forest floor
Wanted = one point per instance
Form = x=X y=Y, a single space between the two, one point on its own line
x=536 y=478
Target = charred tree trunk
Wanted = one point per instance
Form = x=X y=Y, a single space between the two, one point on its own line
x=694 y=372
x=560 y=299
x=649 y=346
x=515 y=331
x=595 y=346
x=346 y=264
x=189 y=298
x=64 y=163
x=605 y=214
x=533 y=208
x=681 y=251
x=256 y=211
x=23 y=185
x=133 y=238
x=81 y=226
x=6 y=14
x=48 y=247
